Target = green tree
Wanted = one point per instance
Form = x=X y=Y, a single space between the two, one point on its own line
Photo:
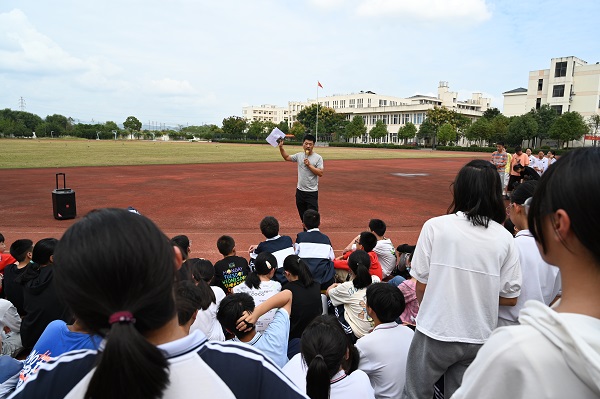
x=24 y=120
x=426 y=130
x=133 y=125
x=330 y=122
x=298 y=130
x=499 y=128
x=408 y=131
x=255 y=129
x=56 y=123
x=356 y=128
x=446 y=133
x=594 y=125
x=521 y=128
x=234 y=127
x=569 y=126
x=545 y=117
x=379 y=131
x=268 y=127
x=480 y=130
x=491 y=113
x=283 y=126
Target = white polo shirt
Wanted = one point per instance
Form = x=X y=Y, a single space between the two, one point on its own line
x=466 y=269
x=386 y=253
x=383 y=354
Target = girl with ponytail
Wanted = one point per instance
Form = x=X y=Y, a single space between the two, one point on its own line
x=307 y=294
x=126 y=295
x=348 y=301
x=321 y=369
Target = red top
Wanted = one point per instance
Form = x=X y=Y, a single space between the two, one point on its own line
x=374 y=270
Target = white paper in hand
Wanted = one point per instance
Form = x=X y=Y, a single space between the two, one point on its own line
x=275 y=135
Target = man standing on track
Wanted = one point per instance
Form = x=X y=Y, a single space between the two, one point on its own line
x=310 y=168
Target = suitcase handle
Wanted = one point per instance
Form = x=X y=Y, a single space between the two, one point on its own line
x=64 y=181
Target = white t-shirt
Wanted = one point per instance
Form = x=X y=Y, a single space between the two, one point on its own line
x=386 y=253
x=466 y=269
x=206 y=320
x=267 y=290
x=355 y=308
x=355 y=385
x=541 y=281
x=383 y=354
x=550 y=355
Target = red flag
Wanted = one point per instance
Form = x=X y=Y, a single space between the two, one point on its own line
x=319 y=84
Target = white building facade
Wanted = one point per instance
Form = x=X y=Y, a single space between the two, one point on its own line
x=265 y=112
x=395 y=112
x=571 y=84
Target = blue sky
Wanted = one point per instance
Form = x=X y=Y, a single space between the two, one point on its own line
x=194 y=62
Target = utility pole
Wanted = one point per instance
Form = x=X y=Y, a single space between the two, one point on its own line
x=22 y=104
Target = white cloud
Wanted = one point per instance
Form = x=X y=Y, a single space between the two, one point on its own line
x=426 y=10
x=328 y=4
x=172 y=87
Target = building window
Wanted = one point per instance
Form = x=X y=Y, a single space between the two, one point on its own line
x=395 y=119
x=351 y=103
x=385 y=119
x=538 y=103
x=540 y=84
x=405 y=118
x=359 y=103
x=382 y=103
x=342 y=103
x=561 y=69
x=368 y=103
x=557 y=108
x=558 y=91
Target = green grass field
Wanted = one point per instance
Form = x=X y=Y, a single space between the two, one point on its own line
x=47 y=153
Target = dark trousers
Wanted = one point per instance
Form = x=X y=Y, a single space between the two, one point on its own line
x=306 y=200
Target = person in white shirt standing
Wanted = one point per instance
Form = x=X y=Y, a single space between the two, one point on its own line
x=541 y=163
x=465 y=264
x=384 y=350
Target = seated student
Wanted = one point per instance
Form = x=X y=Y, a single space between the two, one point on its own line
x=367 y=242
x=541 y=281
x=10 y=329
x=260 y=287
x=57 y=338
x=202 y=273
x=127 y=297
x=554 y=352
x=404 y=253
x=5 y=260
x=41 y=302
x=238 y=316
x=384 y=248
x=232 y=269
x=183 y=243
x=320 y=367
x=188 y=299
x=383 y=352
x=315 y=249
x=279 y=246
x=21 y=250
x=307 y=295
x=348 y=299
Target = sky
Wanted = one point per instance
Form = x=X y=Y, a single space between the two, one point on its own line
x=190 y=62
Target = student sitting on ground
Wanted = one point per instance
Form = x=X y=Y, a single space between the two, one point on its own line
x=307 y=295
x=232 y=269
x=202 y=273
x=21 y=250
x=383 y=352
x=128 y=298
x=384 y=248
x=5 y=260
x=238 y=316
x=279 y=246
x=320 y=370
x=260 y=287
x=348 y=299
x=10 y=329
x=188 y=299
x=315 y=249
x=367 y=242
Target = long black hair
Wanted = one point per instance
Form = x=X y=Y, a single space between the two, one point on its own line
x=359 y=262
x=136 y=276
x=478 y=193
x=571 y=184
x=264 y=263
x=201 y=272
x=41 y=255
x=294 y=265
x=323 y=347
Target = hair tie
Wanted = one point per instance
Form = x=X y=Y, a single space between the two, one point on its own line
x=268 y=265
x=319 y=356
x=121 y=317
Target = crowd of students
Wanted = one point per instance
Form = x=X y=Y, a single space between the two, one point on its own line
x=475 y=309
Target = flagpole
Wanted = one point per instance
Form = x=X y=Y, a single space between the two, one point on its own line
x=317 y=126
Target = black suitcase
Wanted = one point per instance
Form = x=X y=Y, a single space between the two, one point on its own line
x=63 y=201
